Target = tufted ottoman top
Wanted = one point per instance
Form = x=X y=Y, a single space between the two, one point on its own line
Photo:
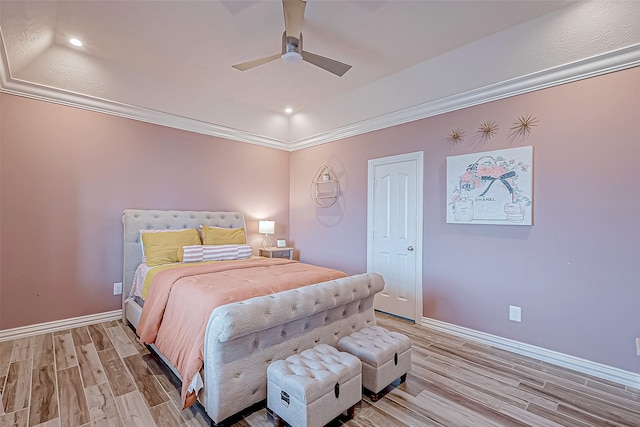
x=314 y=372
x=375 y=345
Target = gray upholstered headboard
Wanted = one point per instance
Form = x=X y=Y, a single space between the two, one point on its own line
x=135 y=220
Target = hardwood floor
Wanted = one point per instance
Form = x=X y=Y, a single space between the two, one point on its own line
x=100 y=376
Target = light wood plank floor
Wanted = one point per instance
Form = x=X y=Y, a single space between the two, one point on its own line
x=100 y=376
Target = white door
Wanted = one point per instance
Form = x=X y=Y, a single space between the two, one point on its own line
x=394 y=231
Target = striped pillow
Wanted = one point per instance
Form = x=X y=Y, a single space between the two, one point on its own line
x=199 y=253
x=191 y=253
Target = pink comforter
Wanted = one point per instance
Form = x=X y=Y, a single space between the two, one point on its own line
x=180 y=302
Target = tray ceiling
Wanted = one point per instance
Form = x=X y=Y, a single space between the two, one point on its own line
x=171 y=60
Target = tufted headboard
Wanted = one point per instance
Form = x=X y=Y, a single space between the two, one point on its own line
x=135 y=220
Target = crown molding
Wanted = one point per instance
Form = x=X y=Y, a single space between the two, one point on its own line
x=588 y=367
x=609 y=62
x=99 y=105
x=18 y=87
x=612 y=61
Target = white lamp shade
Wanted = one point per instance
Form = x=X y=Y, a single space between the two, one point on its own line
x=266 y=227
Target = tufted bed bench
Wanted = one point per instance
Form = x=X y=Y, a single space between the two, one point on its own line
x=243 y=338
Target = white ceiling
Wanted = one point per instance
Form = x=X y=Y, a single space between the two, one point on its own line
x=170 y=61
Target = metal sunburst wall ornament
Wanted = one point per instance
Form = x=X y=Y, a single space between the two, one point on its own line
x=486 y=131
x=455 y=136
x=522 y=126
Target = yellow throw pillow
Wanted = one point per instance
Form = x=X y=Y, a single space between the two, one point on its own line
x=223 y=236
x=162 y=248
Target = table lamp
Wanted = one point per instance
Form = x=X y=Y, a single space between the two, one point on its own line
x=266 y=228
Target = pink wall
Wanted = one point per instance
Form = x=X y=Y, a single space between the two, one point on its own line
x=573 y=272
x=67 y=174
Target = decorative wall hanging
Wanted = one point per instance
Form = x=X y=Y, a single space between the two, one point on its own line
x=486 y=131
x=521 y=128
x=325 y=187
x=455 y=136
x=493 y=187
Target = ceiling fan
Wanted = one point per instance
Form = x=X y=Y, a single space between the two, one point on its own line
x=292 y=44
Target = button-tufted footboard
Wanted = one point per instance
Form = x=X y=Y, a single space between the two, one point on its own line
x=244 y=337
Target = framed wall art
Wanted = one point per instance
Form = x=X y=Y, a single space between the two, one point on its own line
x=492 y=187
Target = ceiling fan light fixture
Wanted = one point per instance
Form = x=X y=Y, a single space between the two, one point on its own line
x=291 y=57
x=292 y=51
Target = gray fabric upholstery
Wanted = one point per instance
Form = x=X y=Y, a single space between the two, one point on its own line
x=385 y=355
x=314 y=372
x=375 y=345
x=320 y=383
x=241 y=340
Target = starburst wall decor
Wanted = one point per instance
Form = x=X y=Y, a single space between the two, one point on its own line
x=486 y=131
x=522 y=126
x=455 y=136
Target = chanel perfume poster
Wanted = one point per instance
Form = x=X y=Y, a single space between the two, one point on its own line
x=492 y=187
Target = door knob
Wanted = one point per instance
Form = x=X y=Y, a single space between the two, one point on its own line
x=410 y=248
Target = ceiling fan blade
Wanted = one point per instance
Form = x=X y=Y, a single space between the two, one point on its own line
x=331 y=65
x=293 y=16
x=256 y=62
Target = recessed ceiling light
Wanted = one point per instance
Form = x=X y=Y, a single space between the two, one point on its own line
x=288 y=110
x=75 y=42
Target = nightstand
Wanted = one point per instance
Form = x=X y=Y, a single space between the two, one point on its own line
x=277 y=252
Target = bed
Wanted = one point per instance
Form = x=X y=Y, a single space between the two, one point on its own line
x=241 y=338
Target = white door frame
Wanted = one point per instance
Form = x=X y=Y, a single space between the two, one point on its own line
x=418 y=156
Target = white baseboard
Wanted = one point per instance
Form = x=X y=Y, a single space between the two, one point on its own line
x=58 y=325
x=596 y=369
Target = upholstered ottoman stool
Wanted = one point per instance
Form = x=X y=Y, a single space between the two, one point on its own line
x=385 y=356
x=314 y=387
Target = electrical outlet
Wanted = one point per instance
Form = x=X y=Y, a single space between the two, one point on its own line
x=117 y=288
x=515 y=313
x=638 y=346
